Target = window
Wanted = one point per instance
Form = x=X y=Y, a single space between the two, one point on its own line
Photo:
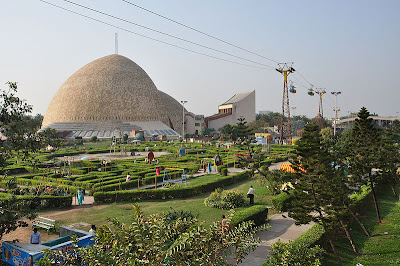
x=196 y=124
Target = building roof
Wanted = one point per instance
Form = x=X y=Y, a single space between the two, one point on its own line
x=107 y=129
x=238 y=97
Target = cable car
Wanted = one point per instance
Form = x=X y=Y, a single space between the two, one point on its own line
x=311 y=93
x=292 y=90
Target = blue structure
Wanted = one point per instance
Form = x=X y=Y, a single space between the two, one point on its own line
x=167 y=179
x=27 y=254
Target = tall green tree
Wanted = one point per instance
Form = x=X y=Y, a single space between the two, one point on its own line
x=242 y=128
x=315 y=194
x=363 y=153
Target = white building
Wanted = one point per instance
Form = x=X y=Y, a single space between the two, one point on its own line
x=240 y=105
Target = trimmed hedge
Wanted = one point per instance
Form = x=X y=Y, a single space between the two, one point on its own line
x=45 y=201
x=310 y=237
x=257 y=213
x=172 y=193
x=281 y=202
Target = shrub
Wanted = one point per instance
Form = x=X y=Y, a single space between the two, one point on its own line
x=256 y=213
x=281 y=202
x=224 y=171
x=174 y=193
x=224 y=199
x=289 y=254
x=93 y=139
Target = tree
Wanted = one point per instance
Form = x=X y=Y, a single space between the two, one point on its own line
x=18 y=140
x=364 y=148
x=315 y=194
x=242 y=128
x=160 y=239
x=229 y=131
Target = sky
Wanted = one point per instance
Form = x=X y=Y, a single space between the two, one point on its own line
x=347 y=46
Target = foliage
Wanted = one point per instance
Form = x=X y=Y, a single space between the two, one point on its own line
x=364 y=151
x=157 y=240
x=242 y=128
x=224 y=171
x=224 y=199
x=256 y=213
x=273 y=180
x=12 y=211
x=294 y=255
x=281 y=202
x=93 y=139
x=183 y=192
x=229 y=131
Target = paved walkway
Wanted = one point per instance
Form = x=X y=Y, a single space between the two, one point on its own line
x=281 y=228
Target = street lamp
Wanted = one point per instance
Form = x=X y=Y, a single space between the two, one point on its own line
x=336 y=93
x=183 y=118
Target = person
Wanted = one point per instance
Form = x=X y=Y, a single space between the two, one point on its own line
x=225 y=224
x=128 y=177
x=92 y=230
x=250 y=194
x=80 y=196
x=36 y=238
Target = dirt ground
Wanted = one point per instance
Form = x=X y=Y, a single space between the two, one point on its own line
x=23 y=233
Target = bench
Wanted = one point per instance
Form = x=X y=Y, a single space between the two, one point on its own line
x=45 y=223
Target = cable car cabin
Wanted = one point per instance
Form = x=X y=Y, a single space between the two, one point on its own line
x=311 y=93
x=292 y=90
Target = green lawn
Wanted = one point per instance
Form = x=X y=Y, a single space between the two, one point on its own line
x=383 y=248
x=97 y=214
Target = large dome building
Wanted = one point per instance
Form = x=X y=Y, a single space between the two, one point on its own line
x=112 y=94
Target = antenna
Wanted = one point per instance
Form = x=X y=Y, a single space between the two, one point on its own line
x=116 y=43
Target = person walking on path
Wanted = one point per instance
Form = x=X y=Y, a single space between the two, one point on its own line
x=250 y=194
x=36 y=238
x=81 y=196
x=128 y=177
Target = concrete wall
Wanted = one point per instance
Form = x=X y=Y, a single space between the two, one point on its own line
x=245 y=108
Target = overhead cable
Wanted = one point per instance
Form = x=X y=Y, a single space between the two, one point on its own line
x=166 y=34
x=198 y=31
x=150 y=38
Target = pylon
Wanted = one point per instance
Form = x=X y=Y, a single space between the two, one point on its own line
x=286 y=132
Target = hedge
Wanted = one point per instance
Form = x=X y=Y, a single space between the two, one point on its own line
x=172 y=193
x=257 y=213
x=281 y=202
x=311 y=236
x=45 y=201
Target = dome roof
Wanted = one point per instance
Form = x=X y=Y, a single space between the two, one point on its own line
x=112 y=88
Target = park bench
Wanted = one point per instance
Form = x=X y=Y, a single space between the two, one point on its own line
x=45 y=223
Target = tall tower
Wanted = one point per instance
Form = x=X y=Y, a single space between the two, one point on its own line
x=285 y=130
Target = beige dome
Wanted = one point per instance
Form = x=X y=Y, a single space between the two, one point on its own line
x=112 y=88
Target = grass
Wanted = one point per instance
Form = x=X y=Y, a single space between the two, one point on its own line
x=383 y=248
x=98 y=214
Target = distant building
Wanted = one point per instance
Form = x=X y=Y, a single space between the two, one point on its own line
x=380 y=121
x=194 y=124
x=240 y=105
x=112 y=96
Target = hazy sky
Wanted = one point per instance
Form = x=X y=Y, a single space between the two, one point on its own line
x=347 y=46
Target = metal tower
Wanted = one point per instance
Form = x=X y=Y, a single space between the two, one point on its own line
x=320 y=92
x=286 y=132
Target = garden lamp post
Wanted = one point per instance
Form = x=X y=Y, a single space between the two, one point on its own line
x=183 y=118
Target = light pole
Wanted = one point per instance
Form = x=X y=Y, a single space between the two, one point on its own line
x=336 y=93
x=183 y=118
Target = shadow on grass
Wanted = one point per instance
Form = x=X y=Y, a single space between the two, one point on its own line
x=384 y=244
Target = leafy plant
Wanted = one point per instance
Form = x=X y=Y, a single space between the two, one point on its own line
x=224 y=199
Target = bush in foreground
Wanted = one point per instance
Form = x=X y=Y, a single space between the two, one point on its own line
x=158 y=240
x=295 y=255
